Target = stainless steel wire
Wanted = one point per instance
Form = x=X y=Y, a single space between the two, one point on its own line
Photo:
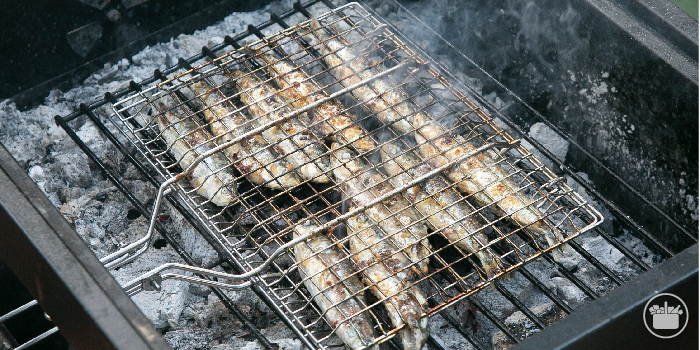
x=257 y=227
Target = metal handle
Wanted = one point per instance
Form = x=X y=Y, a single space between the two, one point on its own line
x=152 y=280
x=133 y=250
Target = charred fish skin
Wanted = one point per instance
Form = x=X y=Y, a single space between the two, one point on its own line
x=436 y=144
x=329 y=119
x=251 y=153
x=185 y=140
x=301 y=148
x=395 y=215
x=384 y=270
x=444 y=208
x=335 y=287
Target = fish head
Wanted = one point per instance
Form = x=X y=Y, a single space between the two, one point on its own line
x=304 y=228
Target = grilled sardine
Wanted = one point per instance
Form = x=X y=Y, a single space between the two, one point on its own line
x=252 y=156
x=385 y=269
x=489 y=184
x=335 y=287
x=473 y=177
x=330 y=118
x=444 y=208
x=395 y=216
x=299 y=146
x=185 y=140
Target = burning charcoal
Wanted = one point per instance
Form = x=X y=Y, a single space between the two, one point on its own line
x=186 y=339
x=550 y=140
x=567 y=291
x=501 y=341
x=289 y=344
x=74 y=169
x=603 y=251
x=524 y=327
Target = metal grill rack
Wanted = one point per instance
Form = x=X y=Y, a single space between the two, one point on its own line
x=7 y=339
x=247 y=244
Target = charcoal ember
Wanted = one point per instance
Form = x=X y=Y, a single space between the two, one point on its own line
x=251 y=345
x=639 y=249
x=113 y=217
x=288 y=344
x=568 y=291
x=88 y=230
x=500 y=341
x=497 y=303
x=196 y=313
x=213 y=314
x=103 y=149
x=603 y=251
x=246 y=297
x=224 y=347
x=142 y=190
x=552 y=141
x=524 y=327
x=189 y=339
x=279 y=334
x=495 y=101
x=20 y=133
x=446 y=336
x=164 y=307
x=73 y=169
x=38 y=174
x=243 y=217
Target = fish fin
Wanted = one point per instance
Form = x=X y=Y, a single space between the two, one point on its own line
x=315 y=24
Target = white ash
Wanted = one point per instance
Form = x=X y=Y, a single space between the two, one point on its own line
x=550 y=140
x=446 y=335
x=191 y=317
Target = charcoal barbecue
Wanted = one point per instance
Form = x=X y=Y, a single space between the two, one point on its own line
x=254 y=234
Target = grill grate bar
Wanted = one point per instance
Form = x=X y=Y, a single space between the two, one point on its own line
x=571 y=277
x=463 y=332
x=8 y=339
x=553 y=297
x=37 y=339
x=623 y=249
x=18 y=311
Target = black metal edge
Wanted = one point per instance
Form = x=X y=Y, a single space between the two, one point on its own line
x=667 y=18
x=615 y=320
x=631 y=20
x=216 y=12
x=59 y=270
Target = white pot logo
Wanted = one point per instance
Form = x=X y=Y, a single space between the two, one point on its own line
x=665 y=315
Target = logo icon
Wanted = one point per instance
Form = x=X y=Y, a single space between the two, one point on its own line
x=665 y=315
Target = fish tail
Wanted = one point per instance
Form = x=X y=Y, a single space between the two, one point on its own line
x=554 y=236
x=491 y=263
x=413 y=338
x=562 y=252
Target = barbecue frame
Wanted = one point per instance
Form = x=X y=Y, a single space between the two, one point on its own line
x=87 y=110
x=126 y=116
x=54 y=264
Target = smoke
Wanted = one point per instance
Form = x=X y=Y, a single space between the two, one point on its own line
x=506 y=38
x=581 y=72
